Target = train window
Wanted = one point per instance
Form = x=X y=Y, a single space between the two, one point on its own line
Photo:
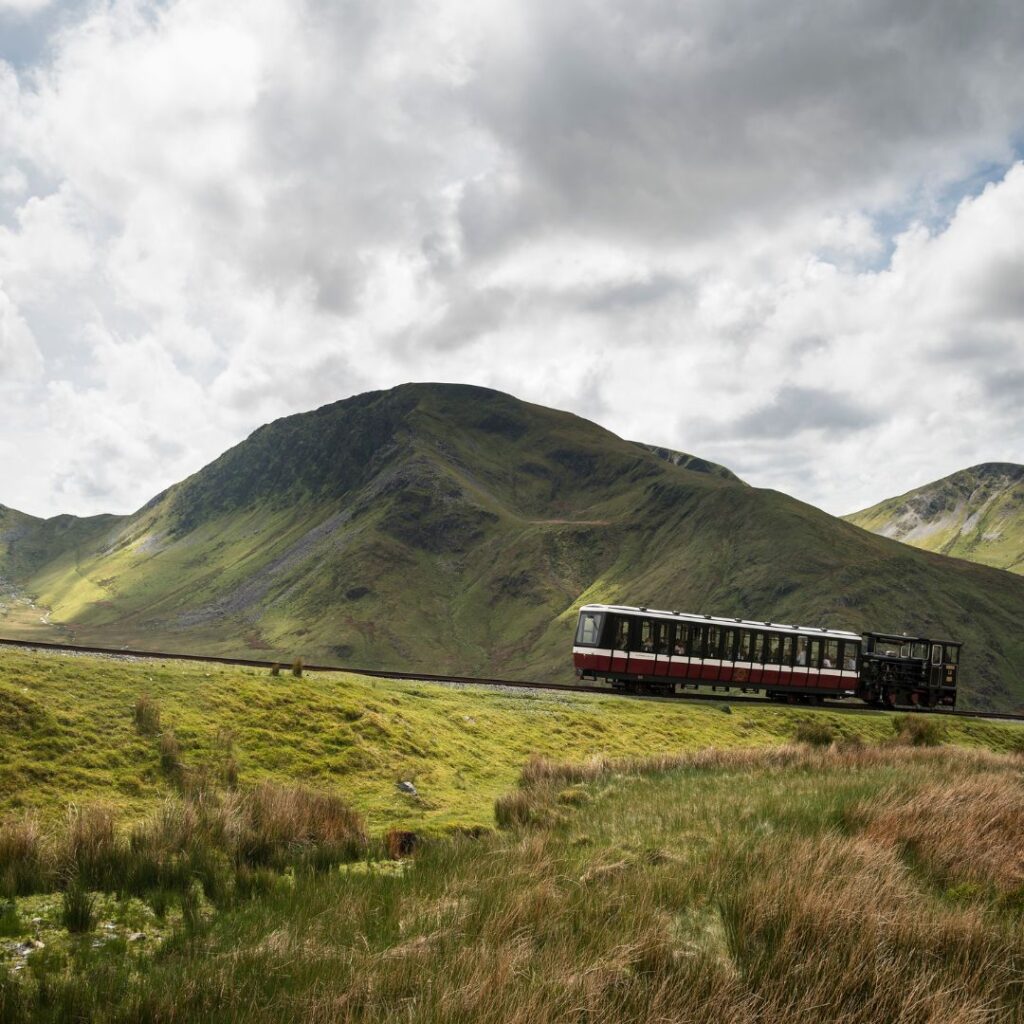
x=787 y=650
x=660 y=634
x=697 y=635
x=831 y=658
x=757 y=647
x=621 y=635
x=743 y=651
x=936 y=654
x=729 y=639
x=588 y=633
x=681 y=647
x=920 y=651
x=851 y=650
x=646 y=636
x=952 y=654
x=801 y=650
x=715 y=641
x=814 y=654
x=774 y=655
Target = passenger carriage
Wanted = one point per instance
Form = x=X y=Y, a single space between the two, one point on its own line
x=643 y=650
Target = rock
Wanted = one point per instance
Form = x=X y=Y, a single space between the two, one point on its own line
x=406 y=787
x=137 y=937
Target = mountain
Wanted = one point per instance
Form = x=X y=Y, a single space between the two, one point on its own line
x=976 y=514
x=454 y=528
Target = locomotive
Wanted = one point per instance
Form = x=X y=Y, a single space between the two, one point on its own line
x=644 y=651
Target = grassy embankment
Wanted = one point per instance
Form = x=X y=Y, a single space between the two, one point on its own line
x=68 y=732
x=848 y=883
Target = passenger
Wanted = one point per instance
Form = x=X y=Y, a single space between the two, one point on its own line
x=851 y=664
x=826 y=662
x=801 y=656
x=680 y=648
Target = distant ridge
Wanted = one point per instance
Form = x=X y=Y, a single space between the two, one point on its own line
x=977 y=513
x=448 y=528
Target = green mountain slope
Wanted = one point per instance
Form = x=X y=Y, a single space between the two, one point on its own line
x=452 y=528
x=977 y=514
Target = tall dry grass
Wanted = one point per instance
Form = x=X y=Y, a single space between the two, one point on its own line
x=204 y=834
x=968 y=830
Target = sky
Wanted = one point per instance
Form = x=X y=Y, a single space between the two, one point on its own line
x=785 y=235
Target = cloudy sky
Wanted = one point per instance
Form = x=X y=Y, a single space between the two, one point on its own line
x=787 y=235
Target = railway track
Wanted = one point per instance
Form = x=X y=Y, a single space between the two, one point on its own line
x=427 y=677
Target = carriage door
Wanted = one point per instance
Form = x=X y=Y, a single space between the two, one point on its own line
x=660 y=635
x=619 y=643
x=936 y=668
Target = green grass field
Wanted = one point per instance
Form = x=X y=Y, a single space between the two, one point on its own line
x=852 y=883
x=68 y=733
x=183 y=842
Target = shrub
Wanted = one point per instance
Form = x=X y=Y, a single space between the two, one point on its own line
x=275 y=670
x=814 y=733
x=297 y=668
x=147 y=715
x=919 y=730
x=78 y=912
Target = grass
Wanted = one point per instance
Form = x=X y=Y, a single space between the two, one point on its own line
x=68 y=732
x=222 y=839
x=565 y=858
x=793 y=884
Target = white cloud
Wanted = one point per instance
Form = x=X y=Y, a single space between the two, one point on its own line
x=23 y=7
x=20 y=359
x=665 y=217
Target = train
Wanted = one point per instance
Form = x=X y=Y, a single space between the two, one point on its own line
x=668 y=653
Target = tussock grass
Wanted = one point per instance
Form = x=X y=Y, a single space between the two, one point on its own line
x=206 y=835
x=770 y=886
x=170 y=753
x=79 y=908
x=919 y=730
x=960 y=831
x=23 y=856
x=147 y=715
x=815 y=734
